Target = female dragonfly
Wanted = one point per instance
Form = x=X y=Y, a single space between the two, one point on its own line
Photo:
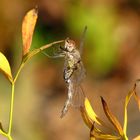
x=73 y=73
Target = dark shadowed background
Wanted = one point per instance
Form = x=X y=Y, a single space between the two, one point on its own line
x=111 y=56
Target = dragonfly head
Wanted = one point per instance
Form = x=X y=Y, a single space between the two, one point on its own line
x=69 y=45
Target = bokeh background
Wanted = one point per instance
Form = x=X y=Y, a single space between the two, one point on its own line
x=111 y=57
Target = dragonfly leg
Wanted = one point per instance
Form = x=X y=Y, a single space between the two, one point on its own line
x=57 y=51
x=53 y=56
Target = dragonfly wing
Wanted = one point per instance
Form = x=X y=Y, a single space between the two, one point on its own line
x=53 y=56
x=78 y=97
x=82 y=40
x=79 y=74
x=56 y=52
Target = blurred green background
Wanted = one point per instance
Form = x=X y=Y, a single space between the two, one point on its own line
x=110 y=55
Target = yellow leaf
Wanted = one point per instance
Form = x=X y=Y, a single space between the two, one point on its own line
x=5 y=67
x=86 y=119
x=127 y=99
x=98 y=134
x=136 y=96
x=112 y=118
x=90 y=112
x=28 y=26
x=92 y=138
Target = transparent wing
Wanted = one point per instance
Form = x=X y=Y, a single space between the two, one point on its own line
x=77 y=78
x=57 y=52
x=82 y=40
x=78 y=97
x=79 y=74
x=53 y=56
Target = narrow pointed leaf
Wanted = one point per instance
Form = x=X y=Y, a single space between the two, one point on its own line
x=5 y=67
x=90 y=112
x=98 y=134
x=111 y=117
x=28 y=26
x=137 y=98
x=127 y=99
x=88 y=115
x=86 y=119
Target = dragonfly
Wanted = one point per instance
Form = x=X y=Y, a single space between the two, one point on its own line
x=73 y=72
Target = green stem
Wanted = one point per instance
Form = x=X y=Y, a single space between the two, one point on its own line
x=20 y=67
x=12 y=101
x=13 y=86
x=11 y=109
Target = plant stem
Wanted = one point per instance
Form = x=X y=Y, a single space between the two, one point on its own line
x=9 y=137
x=20 y=67
x=12 y=102
x=125 y=120
x=51 y=44
x=11 y=109
x=13 y=88
x=3 y=133
x=125 y=137
x=6 y=135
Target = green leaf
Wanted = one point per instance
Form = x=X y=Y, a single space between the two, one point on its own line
x=111 y=117
x=5 y=67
